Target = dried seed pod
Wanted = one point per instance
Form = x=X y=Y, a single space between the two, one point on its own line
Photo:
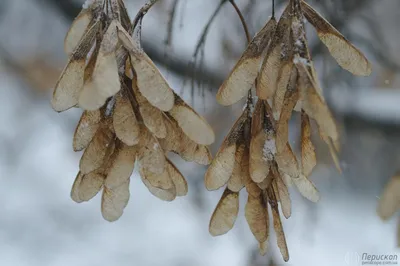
x=345 y=54
x=286 y=80
x=282 y=192
x=280 y=235
x=179 y=143
x=256 y=213
x=105 y=81
x=222 y=165
x=192 y=124
x=125 y=122
x=114 y=201
x=75 y=188
x=152 y=117
x=306 y=188
x=70 y=83
x=151 y=156
x=121 y=166
x=313 y=104
x=166 y=195
x=225 y=214
x=80 y=26
x=289 y=102
x=86 y=129
x=178 y=179
x=243 y=75
x=90 y=185
x=262 y=144
x=236 y=182
x=287 y=162
x=98 y=149
x=308 y=156
x=150 y=81
x=162 y=181
x=389 y=203
x=278 y=55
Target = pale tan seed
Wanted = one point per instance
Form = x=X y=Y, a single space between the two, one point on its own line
x=225 y=214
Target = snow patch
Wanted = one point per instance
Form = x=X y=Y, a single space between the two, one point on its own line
x=88 y=3
x=269 y=150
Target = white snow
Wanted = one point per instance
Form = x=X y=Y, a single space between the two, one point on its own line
x=269 y=150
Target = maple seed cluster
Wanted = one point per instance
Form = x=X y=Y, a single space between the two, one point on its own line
x=256 y=153
x=130 y=112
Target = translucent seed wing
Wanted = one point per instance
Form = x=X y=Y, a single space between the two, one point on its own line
x=75 y=188
x=235 y=182
x=389 y=203
x=256 y=218
x=313 y=104
x=244 y=73
x=345 y=53
x=162 y=181
x=280 y=235
x=222 y=165
x=308 y=156
x=178 y=179
x=306 y=188
x=86 y=129
x=225 y=214
x=277 y=56
x=150 y=155
x=166 y=195
x=192 y=124
x=105 y=81
x=121 y=168
x=290 y=100
x=96 y=152
x=284 y=198
x=261 y=144
x=77 y=30
x=90 y=185
x=125 y=122
x=114 y=201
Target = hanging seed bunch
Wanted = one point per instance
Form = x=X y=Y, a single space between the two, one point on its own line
x=389 y=203
x=256 y=153
x=130 y=112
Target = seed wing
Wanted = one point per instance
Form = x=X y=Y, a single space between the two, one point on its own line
x=225 y=214
x=255 y=213
x=308 y=156
x=86 y=129
x=244 y=73
x=105 y=81
x=277 y=56
x=97 y=150
x=389 y=203
x=178 y=179
x=192 y=124
x=235 y=182
x=345 y=53
x=90 y=185
x=114 y=201
x=280 y=235
x=125 y=122
x=121 y=168
x=306 y=188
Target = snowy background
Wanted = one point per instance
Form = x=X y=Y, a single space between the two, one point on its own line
x=41 y=225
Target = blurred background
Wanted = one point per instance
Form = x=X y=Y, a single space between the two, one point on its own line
x=41 y=225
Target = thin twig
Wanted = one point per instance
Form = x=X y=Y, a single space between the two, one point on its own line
x=145 y=8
